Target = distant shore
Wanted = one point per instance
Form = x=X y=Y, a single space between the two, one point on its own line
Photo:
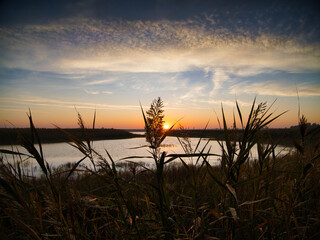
x=282 y=136
x=10 y=136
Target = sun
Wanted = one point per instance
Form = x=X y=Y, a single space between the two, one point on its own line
x=166 y=126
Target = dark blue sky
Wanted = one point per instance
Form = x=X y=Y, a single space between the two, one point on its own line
x=274 y=16
x=35 y=11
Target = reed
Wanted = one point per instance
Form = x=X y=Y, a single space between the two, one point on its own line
x=183 y=196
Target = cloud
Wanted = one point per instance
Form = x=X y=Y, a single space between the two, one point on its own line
x=276 y=88
x=50 y=102
x=107 y=92
x=79 y=45
x=219 y=77
x=96 y=92
x=228 y=103
x=193 y=93
x=157 y=57
x=98 y=82
x=91 y=92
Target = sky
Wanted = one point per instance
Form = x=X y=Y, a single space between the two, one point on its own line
x=65 y=56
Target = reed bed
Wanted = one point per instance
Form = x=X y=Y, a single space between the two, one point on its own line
x=271 y=197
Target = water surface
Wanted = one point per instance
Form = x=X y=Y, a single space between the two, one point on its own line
x=61 y=153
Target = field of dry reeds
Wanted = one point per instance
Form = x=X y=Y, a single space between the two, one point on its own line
x=271 y=197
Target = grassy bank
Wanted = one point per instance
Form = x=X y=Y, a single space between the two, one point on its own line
x=272 y=197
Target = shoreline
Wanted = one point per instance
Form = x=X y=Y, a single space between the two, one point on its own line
x=10 y=136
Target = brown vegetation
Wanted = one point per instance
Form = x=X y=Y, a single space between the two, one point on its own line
x=272 y=197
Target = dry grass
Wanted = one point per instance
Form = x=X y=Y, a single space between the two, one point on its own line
x=272 y=197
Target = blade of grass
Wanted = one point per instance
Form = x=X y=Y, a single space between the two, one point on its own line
x=201 y=136
x=239 y=113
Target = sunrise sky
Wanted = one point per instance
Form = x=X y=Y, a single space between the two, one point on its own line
x=196 y=55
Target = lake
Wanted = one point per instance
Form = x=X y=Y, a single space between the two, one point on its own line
x=61 y=153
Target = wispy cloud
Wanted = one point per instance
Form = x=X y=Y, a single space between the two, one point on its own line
x=80 y=45
x=99 y=82
x=193 y=93
x=49 y=102
x=91 y=92
x=276 y=88
x=107 y=92
x=228 y=103
x=219 y=77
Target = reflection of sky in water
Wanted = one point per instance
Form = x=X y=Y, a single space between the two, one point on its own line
x=61 y=153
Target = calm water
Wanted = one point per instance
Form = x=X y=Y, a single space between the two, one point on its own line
x=61 y=153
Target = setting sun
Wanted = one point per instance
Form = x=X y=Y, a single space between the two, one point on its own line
x=166 y=126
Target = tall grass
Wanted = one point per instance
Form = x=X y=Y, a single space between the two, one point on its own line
x=183 y=197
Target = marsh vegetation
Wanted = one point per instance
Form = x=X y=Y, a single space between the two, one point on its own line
x=183 y=196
